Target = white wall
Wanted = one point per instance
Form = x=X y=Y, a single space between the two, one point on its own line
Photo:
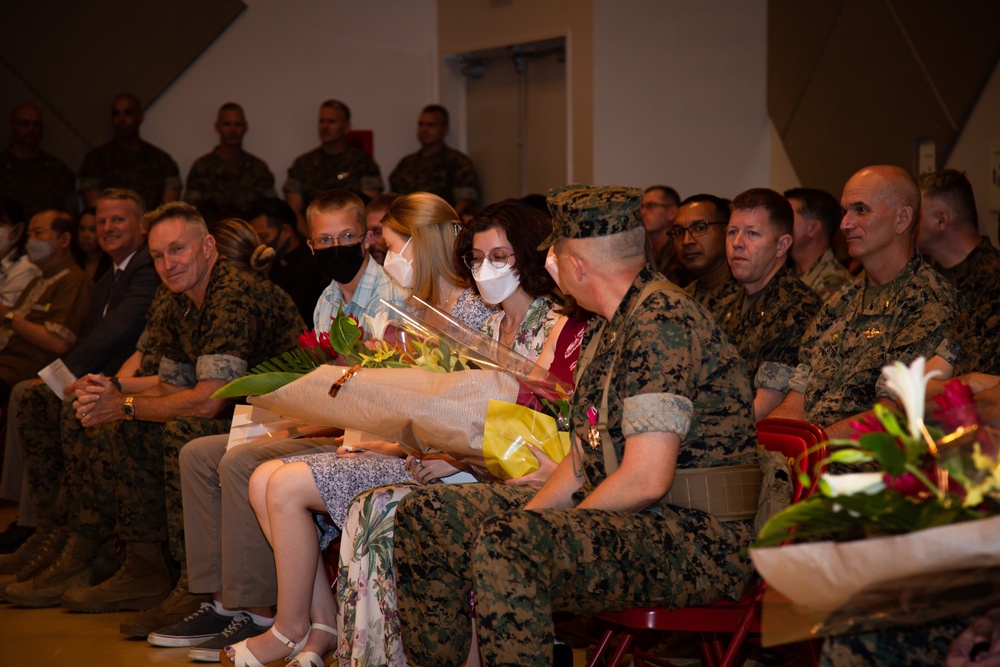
x=281 y=58
x=972 y=152
x=680 y=94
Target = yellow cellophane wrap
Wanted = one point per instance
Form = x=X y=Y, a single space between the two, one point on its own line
x=509 y=429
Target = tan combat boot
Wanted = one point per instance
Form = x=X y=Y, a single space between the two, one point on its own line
x=74 y=567
x=142 y=582
x=37 y=553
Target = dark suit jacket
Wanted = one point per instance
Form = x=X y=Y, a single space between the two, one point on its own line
x=109 y=339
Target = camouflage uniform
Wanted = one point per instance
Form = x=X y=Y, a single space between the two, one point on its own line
x=149 y=171
x=711 y=299
x=37 y=184
x=826 y=276
x=769 y=333
x=676 y=372
x=242 y=322
x=919 y=646
x=449 y=174
x=318 y=171
x=67 y=469
x=977 y=281
x=232 y=185
x=847 y=344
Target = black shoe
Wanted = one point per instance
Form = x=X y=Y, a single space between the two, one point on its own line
x=196 y=629
x=14 y=537
x=562 y=655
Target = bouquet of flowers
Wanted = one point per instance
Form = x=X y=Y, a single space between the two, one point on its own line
x=920 y=528
x=423 y=380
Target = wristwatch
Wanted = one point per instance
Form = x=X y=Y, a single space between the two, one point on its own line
x=128 y=410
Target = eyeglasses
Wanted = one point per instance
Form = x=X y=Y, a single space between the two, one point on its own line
x=347 y=238
x=498 y=258
x=697 y=229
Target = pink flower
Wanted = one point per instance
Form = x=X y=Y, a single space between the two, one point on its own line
x=310 y=340
x=867 y=424
x=956 y=407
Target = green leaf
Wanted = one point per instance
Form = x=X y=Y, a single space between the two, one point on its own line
x=344 y=333
x=849 y=455
x=256 y=385
x=886 y=450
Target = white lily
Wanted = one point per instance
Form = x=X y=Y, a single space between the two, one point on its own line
x=909 y=383
x=858 y=482
x=375 y=326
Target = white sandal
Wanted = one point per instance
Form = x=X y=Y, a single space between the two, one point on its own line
x=242 y=657
x=313 y=659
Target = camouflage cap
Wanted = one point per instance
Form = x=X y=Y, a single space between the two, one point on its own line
x=587 y=211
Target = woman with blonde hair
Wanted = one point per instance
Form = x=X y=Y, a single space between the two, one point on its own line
x=239 y=244
x=420 y=230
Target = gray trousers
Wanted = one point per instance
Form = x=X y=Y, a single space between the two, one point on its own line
x=226 y=549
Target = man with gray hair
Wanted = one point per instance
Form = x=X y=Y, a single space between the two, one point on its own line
x=660 y=392
x=217 y=322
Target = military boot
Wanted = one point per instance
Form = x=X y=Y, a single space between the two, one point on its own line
x=142 y=582
x=179 y=605
x=74 y=567
x=37 y=553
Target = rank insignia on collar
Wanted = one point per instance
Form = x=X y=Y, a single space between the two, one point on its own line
x=872 y=333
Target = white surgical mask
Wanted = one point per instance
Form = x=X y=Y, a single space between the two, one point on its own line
x=495 y=284
x=399 y=268
x=38 y=250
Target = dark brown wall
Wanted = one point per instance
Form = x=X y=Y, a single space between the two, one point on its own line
x=70 y=58
x=859 y=82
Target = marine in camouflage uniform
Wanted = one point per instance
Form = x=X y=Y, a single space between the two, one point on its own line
x=826 y=276
x=318 y=171
x=849 y=341
x=149 y=171
x=713 y=299
x=37 y=184
x=448 y=173
x=232 y=185
x=977 y=281
x=768 y=334
x=675 y=373
x=242 y=322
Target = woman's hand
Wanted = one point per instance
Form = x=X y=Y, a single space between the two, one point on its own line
x=979 y=644
x=432 y=467
x=371 y=449
x=536 y=479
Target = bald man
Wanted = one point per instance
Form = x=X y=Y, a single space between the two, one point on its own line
x=896 y=310
x=28 y=175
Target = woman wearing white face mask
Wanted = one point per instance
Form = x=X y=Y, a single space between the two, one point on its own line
x=419 y=231
x=499 y=249
x=16 y=269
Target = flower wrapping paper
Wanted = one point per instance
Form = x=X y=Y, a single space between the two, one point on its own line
x=820 y=579
x=422 y=410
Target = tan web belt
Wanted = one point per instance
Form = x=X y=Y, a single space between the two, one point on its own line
x=728 y=493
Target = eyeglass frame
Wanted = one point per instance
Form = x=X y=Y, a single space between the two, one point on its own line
x=470 y=257
x=697 y=229
x=319 y=244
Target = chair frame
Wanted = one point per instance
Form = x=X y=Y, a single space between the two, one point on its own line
x=738 y=619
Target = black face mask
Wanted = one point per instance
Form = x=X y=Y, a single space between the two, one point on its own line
x=340 y=262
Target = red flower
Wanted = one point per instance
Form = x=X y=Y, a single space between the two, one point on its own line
x=956 y=407
x=867 y=424
x=310 y=340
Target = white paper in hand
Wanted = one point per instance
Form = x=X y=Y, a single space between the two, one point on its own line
x=58 y=376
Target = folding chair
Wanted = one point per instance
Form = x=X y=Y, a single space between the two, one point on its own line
x=721 y=618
